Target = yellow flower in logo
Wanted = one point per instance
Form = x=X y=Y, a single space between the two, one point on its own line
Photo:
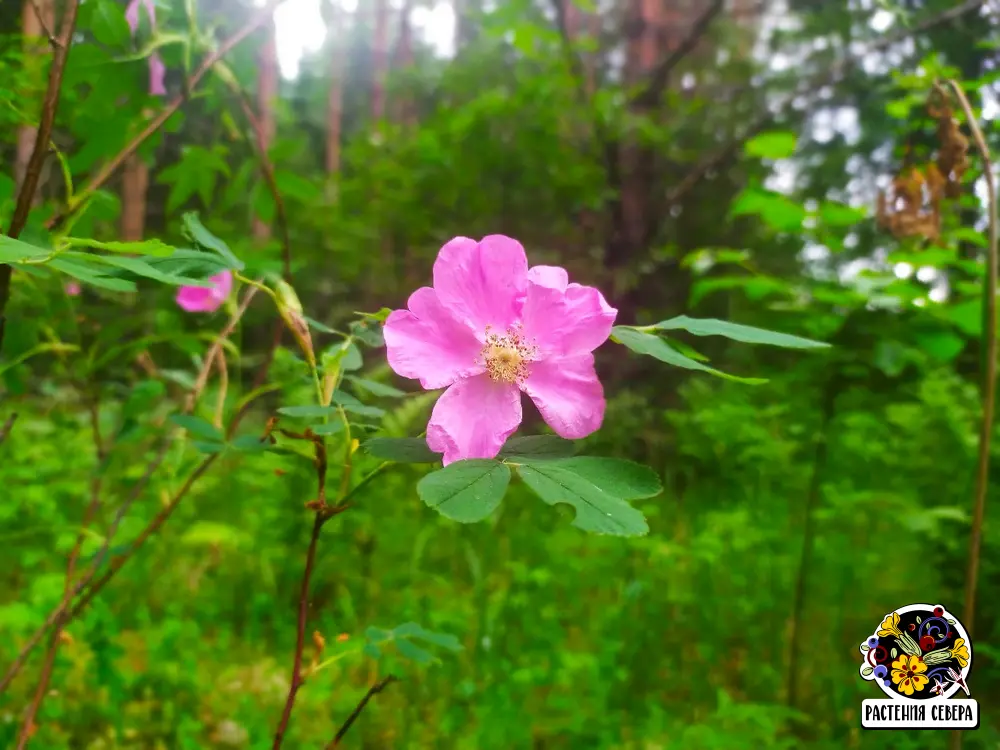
x=908 y=674
x=890 y=625
x=961 y=652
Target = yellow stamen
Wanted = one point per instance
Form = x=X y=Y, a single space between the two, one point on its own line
x=507 y=357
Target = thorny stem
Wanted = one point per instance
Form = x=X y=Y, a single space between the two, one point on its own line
x=374 y=690
x=267 y=168
x=300 y=633
x=989 y=378
x=34 y=169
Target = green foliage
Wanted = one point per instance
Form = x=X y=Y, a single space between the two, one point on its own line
x=533 y=634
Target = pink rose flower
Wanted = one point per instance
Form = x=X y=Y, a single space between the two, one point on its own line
x=206 y=299
x=491 y=328
x=72 y=288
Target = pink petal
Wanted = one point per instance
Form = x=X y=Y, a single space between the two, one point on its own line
x=561 y=319
x=72 y=288
x=197 y=299
x=157 y=71
x=473 y=419
x=426 y=343
x=206 y=299
x=223 y=285
x=568 y=395
x=132 y=16
x=549 y=276
x=482 y=283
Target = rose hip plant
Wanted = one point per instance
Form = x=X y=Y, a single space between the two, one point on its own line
x=490 y=328
x=487 y=330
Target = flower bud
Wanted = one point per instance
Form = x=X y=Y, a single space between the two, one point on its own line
x=290 y=310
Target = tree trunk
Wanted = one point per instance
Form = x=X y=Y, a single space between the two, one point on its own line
x=135 y=181
x=335 y=102
x=35 y=49
x=267 y=94
x=380 y=57
x=405 y=111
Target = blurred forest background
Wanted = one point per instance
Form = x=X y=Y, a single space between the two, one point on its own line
x=717 y=159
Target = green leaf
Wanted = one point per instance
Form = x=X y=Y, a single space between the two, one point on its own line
x=317 y=326
x=653 y=346
x=465 y=491
x=108 y=24
x=330 y=428
x=401 y=450
x=152 y=247
x=413 y=630
x=840 y=215
x=616 y=476
x=16 y=251
x=198 y=427
x=778 y=144
x=867 y=671
x=967 y=317
x=596 y=510
x=414 y=652
x=737 y=332
x=942 y=345
x=196 y=231
x=372 y=651
x=353 y=406
x=379 y=316
x=537 y=446
x=376 y=389
x=249 y=444
x=776 y=210
x=970 y=235
x=343 y=356
x=140 y=267
x=308 y=411
x=204 y=446
x=94 y=277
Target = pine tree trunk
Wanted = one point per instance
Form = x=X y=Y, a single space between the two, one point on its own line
x=380 y=57
x=35 y=48
x=135 y=182
x=335 y=101
x=267 y=94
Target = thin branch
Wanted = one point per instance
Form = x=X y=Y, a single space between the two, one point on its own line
x=374 y=690
x=28 y=727
x=45 y=27
x=34 y=169
x=989 y=378
x=827 y=76
x=267 y=169
x=661 y=75
x=118 y=562
x=56 y=615
x=300 y=633
x=156 y=122
x=9 y=424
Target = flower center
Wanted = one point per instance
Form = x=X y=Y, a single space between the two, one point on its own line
x=507 y=356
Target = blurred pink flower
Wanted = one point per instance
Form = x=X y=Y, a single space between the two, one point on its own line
x=72 y=288
x=157 y=69
x=491 y=328
x=206 y=299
